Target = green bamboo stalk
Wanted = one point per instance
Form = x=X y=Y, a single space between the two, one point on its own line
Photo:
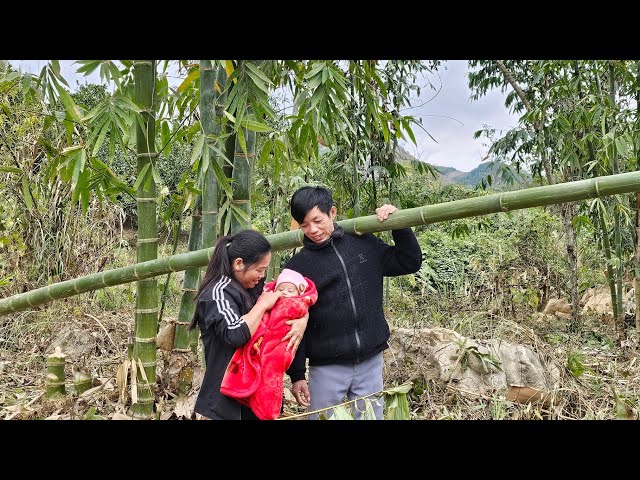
x=242 y=173
x=174 y=248
x=55 y=374
x=442 y=212
x=617 y=238
x=607 y=255
x=212 y=103
x=210 y=108
x=146 y=314
x=355 y=160
x=636 y=244
x=203 y=208
x=190 y=282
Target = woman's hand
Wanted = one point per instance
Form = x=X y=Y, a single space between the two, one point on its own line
x=267 y=300
x=298 y=326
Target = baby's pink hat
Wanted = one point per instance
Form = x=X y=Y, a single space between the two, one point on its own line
x=291 y=276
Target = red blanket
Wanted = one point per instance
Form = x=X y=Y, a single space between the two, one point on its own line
x=255 y=373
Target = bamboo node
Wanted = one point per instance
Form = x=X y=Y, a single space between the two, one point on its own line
x=597 y=189
x=28 y=300
x=502 y=207
x=149 y=364
x=148 y=154
x=148 y=240
x=145 y=340
x=242 y=155
x=55 y=384
x=146 y=199
x=424 y=222
x=182 y=323
x=146 y=310
x=204 y=212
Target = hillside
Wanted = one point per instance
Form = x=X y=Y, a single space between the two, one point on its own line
x=499 y=172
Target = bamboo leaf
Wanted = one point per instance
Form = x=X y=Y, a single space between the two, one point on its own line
x=26 y=83
x=26 y=193
x=340 y=413
x=165 y=135
x=195 y=73
x=397 y=407
x=228 y=67
x=316 y=97
x=253 y=68
x=255 y=126
x=88 y=66
x=404 y=388
x=78 y=167
x=409 y=131
x=141 y=176
x=257 y=81
x=69 y=105
x=197 y=149
x=100 y=139
x=317 y=67
x=156 y=175
x=241 y=215
x=9 y=169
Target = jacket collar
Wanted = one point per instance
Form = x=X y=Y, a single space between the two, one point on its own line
x=338 y=232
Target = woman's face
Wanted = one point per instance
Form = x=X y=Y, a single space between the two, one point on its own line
x=249 y=276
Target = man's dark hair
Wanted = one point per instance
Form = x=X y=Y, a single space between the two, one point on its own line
x=305 y=198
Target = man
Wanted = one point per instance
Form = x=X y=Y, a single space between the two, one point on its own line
x=347 y=331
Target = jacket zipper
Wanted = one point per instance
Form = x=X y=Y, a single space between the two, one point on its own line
x=353 y=302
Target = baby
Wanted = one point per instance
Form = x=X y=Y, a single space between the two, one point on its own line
x=290 y=283
x=255 y=374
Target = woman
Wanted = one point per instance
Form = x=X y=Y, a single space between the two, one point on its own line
x=230 y=305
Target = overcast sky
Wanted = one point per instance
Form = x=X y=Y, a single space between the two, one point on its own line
x=450 y=116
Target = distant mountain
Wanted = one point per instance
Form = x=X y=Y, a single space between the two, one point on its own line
x=498 y=171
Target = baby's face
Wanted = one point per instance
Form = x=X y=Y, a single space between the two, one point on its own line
x=288 y=289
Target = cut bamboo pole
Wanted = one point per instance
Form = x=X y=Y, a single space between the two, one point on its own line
x=55 y=374
x=82 y=381
x=470 y=207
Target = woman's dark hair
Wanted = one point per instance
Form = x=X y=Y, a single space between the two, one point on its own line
x=250 y=246
x=305 y=198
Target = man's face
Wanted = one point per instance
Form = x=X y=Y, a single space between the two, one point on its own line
x=317 y=225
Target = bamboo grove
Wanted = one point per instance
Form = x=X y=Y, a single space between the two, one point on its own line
x=577 y=135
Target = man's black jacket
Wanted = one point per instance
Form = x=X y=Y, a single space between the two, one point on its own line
x=347 y=324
